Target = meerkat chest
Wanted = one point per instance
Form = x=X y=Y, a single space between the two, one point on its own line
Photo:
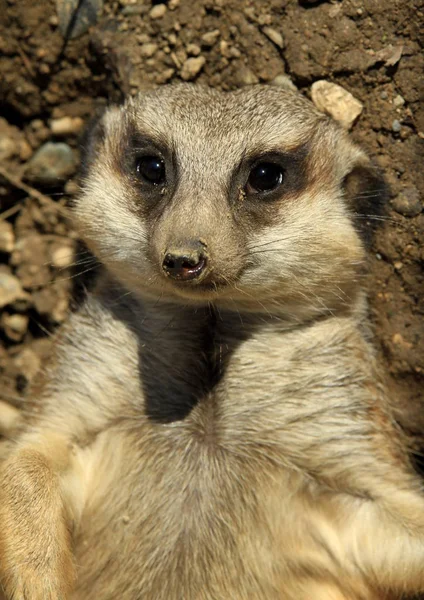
x=168 y=515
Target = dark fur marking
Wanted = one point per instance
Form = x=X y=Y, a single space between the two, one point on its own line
x=366 y=194
x=93 y=136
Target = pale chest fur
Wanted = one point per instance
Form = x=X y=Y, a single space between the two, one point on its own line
x=214 y=505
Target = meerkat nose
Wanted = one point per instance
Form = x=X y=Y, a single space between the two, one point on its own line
x=185 y=261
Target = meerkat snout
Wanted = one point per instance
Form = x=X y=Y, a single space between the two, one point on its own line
x=186 y=261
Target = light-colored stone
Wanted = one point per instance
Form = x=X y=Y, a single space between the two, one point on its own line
x=51 y=164
x=209 y=38
x=247 y=77
x=66 y=125
x=7 y=237
x=191 y=67
x=8 y=147
x=337 y=102
x=408 y=202
x=148 y=50
x=10 y=289
x=284 y=81
x=193 y=49
x=62 y=255
x=398 y=101
x=396 y=126
x=158 y=11
x=274 y=35
x=15 y=326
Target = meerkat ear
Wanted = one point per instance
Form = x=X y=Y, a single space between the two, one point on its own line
x=366 y=193
x=90 y=141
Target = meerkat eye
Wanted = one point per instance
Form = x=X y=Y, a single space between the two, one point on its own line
x=264 y=177
x=151 y=169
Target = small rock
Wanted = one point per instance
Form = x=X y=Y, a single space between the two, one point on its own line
x=274 y=35
x=384 y=95
x=193 y=49
x=192 y=67
x=52 y=163
x=247 y=77
x=62 y=255
x=396 y=126
x=398 y=101
x=148 y=50
x=25 y=151
x=15 y=326
x=336 y=102
x=10 y=289
x=173 y=4
x=408 y=203
x=209 y=38
x=76 y=16
x=133 y=9
x=66 y=125
x=284 y=81
x=7 y=237
x=8 y=147
x=399 y=341
x=158 y=11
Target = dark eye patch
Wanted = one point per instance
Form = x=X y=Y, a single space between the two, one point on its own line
x=269 y=175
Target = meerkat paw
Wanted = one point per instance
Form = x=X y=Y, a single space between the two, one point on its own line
x=36 y=561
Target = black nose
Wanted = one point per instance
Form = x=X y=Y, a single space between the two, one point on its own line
x=185 y=262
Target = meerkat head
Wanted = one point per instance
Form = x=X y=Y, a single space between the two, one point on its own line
x=246 y=199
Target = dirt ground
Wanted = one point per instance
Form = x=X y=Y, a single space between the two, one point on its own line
x=49 y=89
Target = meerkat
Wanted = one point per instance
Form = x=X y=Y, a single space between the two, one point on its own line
x=213 y=425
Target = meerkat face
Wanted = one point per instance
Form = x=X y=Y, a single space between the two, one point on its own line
x=242 y=199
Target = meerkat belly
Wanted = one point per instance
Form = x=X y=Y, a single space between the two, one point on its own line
x=175 y=519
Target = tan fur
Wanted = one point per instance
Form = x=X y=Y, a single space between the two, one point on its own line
x=286 y=477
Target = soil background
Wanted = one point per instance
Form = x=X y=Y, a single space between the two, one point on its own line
x=50 y=87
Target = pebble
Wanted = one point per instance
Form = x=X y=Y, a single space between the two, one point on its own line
x=191 y=67
x=396 y=126
x=247 y=76
x=8 y=147
x=10 y=289
x=62 y=255
x=384 y=95
x=87 y=15
x=148 y=50
x=52 y=163
x=398 y=101
x=336 y=102
x=15 y=326
x=209 y=38
x=7 y=237
x=408 y=203
x=274 y=35
x=284 y=81
x=193 y=49
x=66 y=125
x=158 y=11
